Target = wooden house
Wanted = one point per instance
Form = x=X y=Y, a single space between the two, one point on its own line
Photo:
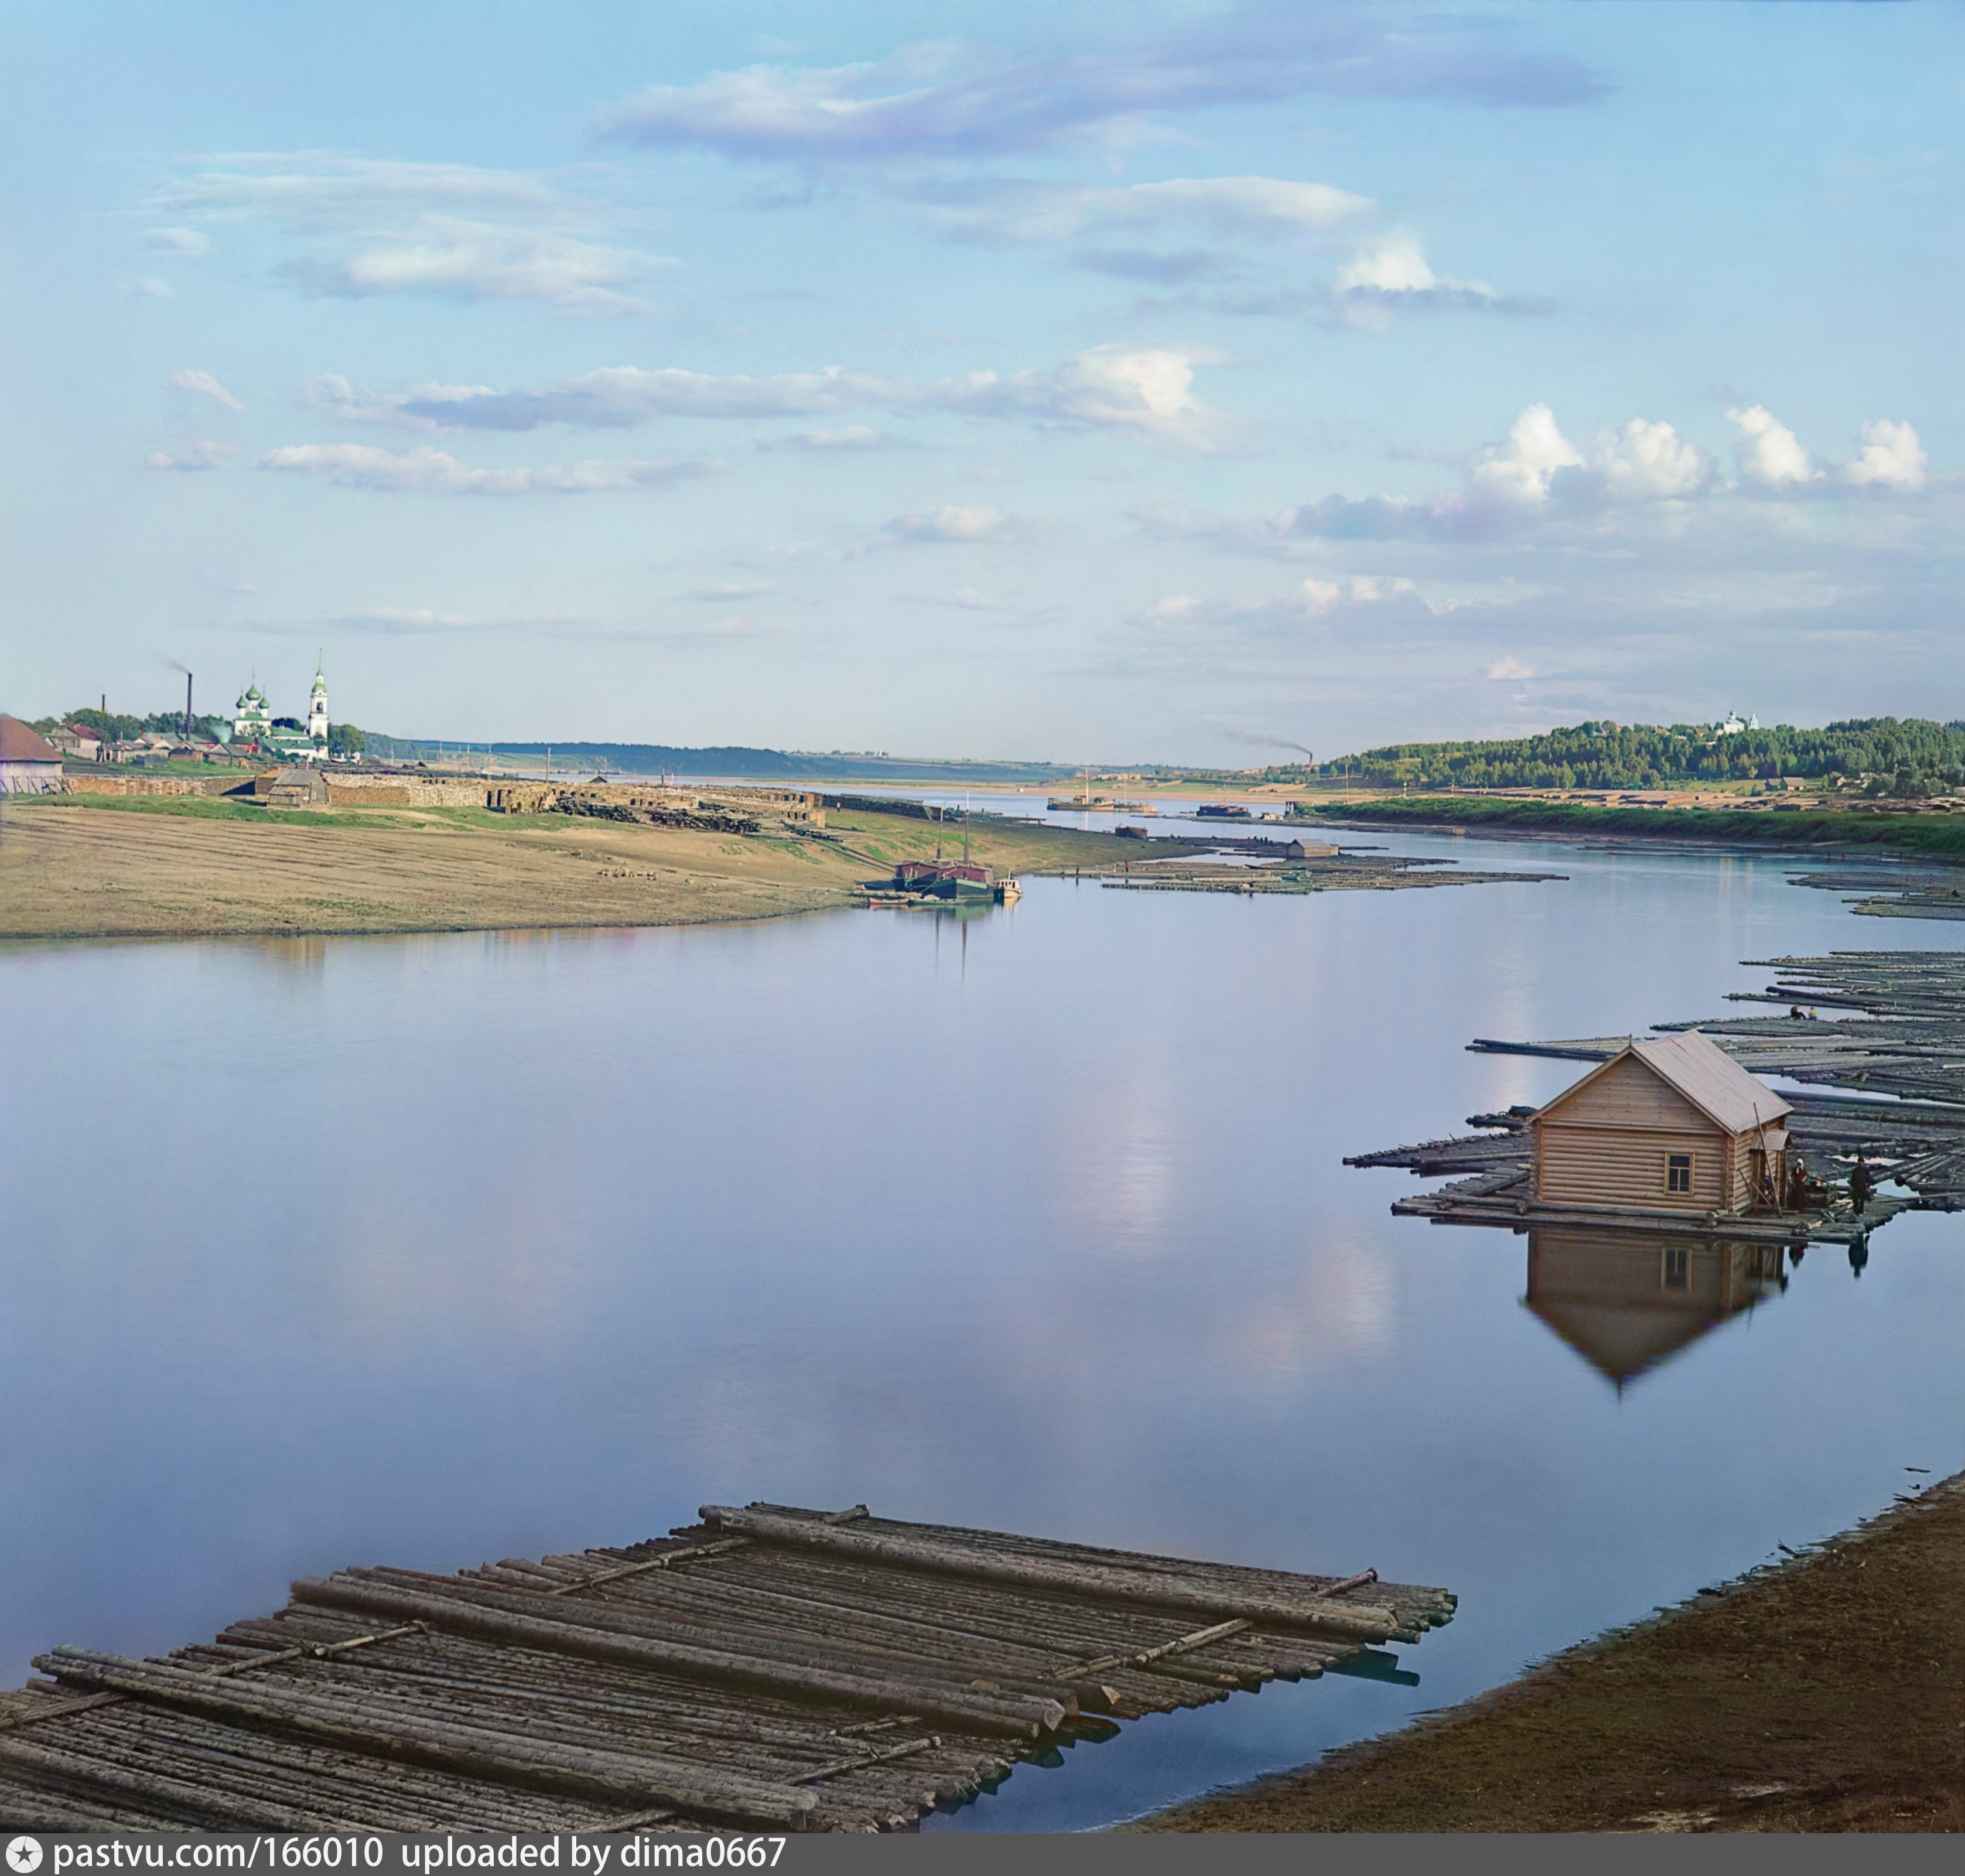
x=1670 y=1124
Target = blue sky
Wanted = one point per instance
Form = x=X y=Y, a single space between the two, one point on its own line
x=1102 y=383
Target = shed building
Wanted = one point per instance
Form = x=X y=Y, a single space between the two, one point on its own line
x=1671 y=1124
x=29 y=764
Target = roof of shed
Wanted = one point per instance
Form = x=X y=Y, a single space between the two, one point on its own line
x=1703 y=1071
x=19 y=744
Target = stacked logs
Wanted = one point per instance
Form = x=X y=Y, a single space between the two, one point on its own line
x=774 y=1668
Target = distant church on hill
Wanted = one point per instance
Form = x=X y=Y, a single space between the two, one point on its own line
x=285 y=737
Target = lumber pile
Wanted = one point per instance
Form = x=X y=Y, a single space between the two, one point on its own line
x=772 y=1669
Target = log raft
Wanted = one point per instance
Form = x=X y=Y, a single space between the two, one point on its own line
x=771 y=1668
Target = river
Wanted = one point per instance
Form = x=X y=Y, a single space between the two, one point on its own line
x=428 y=1250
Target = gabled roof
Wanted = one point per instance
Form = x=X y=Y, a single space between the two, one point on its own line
x=19 y=744
x=1699 y=1069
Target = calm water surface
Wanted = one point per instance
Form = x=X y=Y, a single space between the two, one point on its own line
x=427 y=1250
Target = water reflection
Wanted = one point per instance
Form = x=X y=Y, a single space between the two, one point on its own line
x=1626 y=1301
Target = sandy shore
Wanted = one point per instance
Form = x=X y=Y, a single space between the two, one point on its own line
x=1827 y=1695
x=101 y=867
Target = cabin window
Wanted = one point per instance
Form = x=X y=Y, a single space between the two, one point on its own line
x=1678 y=1171
x=1678 y=1266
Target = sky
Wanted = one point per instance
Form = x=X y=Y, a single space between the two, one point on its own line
x=1167 y=382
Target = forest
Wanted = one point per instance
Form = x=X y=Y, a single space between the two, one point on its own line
x=1908 y=756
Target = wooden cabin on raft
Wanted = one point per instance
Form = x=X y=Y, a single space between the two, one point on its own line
x=1670 y=1124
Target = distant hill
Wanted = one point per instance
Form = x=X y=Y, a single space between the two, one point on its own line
x=1909 y=756
x=733 y=763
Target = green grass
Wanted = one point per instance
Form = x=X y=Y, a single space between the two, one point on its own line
x=1935 y=836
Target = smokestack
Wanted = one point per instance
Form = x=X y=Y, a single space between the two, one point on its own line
x=187 y=706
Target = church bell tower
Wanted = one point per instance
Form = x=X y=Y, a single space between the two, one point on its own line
x=317 y=722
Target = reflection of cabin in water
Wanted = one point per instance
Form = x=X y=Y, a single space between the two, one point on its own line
x=1671 y=1124
x=1624 y=1303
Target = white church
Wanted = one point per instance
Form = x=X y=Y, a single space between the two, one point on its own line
x=252 y=721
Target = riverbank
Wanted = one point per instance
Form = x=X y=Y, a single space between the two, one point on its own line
x=1937 y=837
x=1826 y=1694
x=166 y=867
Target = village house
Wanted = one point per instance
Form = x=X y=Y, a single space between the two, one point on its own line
x=1671 y=1124
x=29 y=765
x=78 y=741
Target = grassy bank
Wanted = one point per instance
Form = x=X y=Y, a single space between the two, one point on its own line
x=1827 y=1695
x=1931 y=836
x=185 y=866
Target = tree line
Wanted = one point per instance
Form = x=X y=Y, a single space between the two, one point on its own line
x=1909 y=757
x=117 y=726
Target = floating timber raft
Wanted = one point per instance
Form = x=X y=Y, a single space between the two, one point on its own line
x=1908 y=1041
x=772 y=1669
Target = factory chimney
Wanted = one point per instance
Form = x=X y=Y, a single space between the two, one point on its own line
x=187 y=706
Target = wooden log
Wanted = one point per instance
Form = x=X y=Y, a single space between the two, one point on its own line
x=1363 y=1625
x=1024 y=1718
x=214 y=1808
x=755 y=1634
x=837 y=1766
x=472 y=1751
x=1199 y=1639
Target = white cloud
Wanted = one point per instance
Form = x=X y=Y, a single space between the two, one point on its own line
x=1148 y=390
x=379 y=227
x=459 y=261
x=1769 y=454
x=964 y=526
x=1392 y=274
x=722 y=593
x=1646 y=461
x=185 y=243
x=1324 y=596
x=207 y=454
x=1891 y=458
x=1227 y=206
x=204 y=385
x=1396 y=264
x=850 y=436
x=147 y=287
x=362 y=465
x=939 y=100
x=1508 y=670
x=1518 y=472
x=1145 y=389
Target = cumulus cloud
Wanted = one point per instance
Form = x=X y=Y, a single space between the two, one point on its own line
x=1509 y=670
x=1649 y=462
x=962 y=526
x=1891 y=458
x=1146 y=389
x=1393 y=274
x=363 y=466
x=207 y=454
x=943 y=101
x=202 y=384
x=377 y=227
x=1518 y=472
x=185 y=243
x=1769 y=454
x=1324 y=596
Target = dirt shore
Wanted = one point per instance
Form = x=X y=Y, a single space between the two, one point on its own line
x=87 y=866
x=1826 y=1695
